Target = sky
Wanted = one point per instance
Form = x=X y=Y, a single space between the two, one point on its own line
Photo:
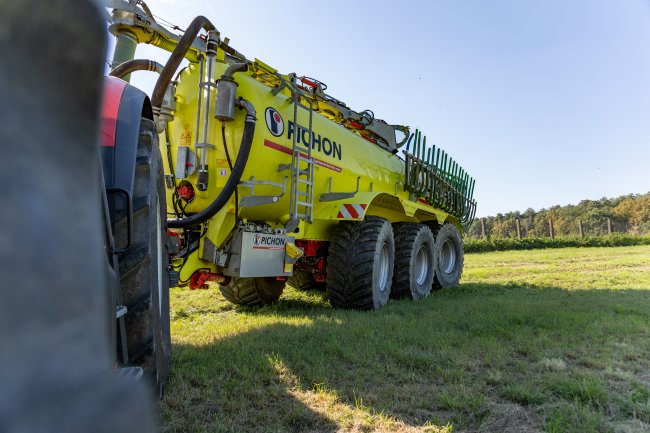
x=543 y=102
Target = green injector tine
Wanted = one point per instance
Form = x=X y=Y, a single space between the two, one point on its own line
x=424 y=147
x=415 y=144
x=461 y=181
x=443 y=163
x=454 y=173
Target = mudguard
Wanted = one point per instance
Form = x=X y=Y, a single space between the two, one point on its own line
x=122 y=108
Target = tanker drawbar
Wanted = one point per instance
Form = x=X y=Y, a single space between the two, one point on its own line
x=272 y=181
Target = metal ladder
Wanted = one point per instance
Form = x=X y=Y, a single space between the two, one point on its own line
x=302 y=166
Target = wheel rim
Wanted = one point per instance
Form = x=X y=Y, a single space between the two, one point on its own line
x=448 y=257
x=384 y=267
x=421 y=265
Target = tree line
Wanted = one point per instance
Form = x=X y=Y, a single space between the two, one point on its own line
x=625 y=214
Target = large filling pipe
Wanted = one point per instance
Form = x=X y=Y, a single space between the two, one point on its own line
x=233 y=179
x=176 y=58
x=125 y=45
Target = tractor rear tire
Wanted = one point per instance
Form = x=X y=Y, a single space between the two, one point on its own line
x=360 y=264
x=143 y=268
x=449 y=256
x=302 y=280
x=414 y=261
x=252 y=292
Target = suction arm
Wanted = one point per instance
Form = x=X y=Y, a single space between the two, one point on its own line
x=176 y=57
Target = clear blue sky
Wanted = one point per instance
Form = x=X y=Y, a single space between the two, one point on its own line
x=543 y=102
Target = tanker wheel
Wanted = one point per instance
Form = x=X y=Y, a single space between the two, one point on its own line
x=449 y=256
x=252 y=292
x=360 y=264
x=143 y=268
x=435 y=228
x=302 y=280
x=414 y=261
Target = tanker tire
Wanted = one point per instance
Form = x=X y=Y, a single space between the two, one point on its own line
x=449 y=256
x=435 y=228
x=302 y=280
x=252 y=292
x=143 y=268
x=360 y=263
x=414 y=261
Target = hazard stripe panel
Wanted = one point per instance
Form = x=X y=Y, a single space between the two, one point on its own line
x=351 y=211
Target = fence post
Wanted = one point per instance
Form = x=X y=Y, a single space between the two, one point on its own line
x=609 y=226
x=518 y=228
x=580 y=229
x=483 y=228
x=550 y=229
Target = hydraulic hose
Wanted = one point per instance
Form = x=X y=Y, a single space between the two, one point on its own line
x=235 y=174
x=177 y=57
x=136 y=65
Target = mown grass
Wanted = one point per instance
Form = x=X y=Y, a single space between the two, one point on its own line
x=545 y=340
x=507 y=244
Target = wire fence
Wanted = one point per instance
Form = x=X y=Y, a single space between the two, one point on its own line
x=528 y=227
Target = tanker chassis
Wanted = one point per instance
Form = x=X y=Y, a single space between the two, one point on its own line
x=269 y=180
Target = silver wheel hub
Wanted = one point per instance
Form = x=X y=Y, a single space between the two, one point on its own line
x=448 y=257
x=384 y=267
x=421 y=265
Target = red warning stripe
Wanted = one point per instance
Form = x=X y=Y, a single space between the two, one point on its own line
x=276 y=146
x=351 y=211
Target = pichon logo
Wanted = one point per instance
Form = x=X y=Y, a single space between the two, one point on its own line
x=274 y=122
x=271 y=241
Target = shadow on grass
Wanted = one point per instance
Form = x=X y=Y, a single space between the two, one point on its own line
x=481 y=357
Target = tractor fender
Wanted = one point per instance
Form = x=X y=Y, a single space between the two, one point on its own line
x=123 y=107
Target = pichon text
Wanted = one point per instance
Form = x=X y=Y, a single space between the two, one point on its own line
x=322 y=144
x=268 y=240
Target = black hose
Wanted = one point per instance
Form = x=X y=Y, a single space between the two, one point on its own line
x=177 y=57
x=234 y=178
x=136 y=65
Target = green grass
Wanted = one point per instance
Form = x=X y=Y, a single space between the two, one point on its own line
x=545 y=340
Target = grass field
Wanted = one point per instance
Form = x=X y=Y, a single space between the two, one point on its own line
x=544 y=340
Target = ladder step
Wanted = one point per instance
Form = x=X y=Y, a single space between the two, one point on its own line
x=304 y=203
x=306 y=182
x=120 y=311
x=301 y=127
x=308 y=160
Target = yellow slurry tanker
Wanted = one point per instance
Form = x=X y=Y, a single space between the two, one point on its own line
x=268 y=180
